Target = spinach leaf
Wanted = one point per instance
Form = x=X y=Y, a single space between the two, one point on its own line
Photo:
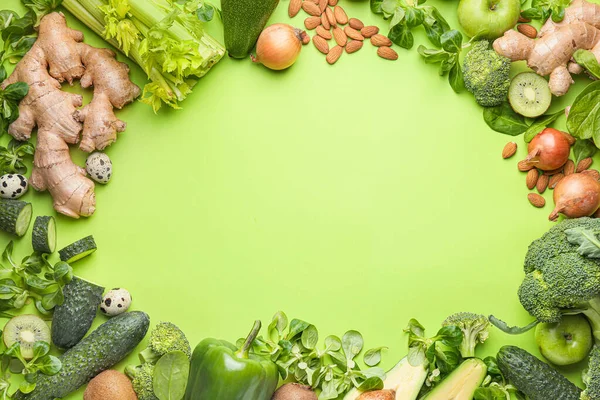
x=544 y=9
x=373 y=356
x=504 y=119
x=373 y=383
x=589 y=244
x=206 y=12
x=583 y=148
x=583 y=121
x=587 y=60
x=171 y=376
x=540 y=124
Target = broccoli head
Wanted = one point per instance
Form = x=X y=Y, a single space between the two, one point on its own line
x=591 y=376
x=559 y=280
x=486 y=74
x=474 y=328
x=164 y=338
x=141 y=378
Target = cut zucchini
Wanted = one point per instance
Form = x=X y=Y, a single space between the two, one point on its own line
x=15 y=216
x=43 y=236
x=76 y=251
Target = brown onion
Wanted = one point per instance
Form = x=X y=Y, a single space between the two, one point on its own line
x=575 y=196
x=279 y=46
x=549 y=150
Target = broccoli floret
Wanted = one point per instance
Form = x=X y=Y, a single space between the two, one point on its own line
x=474 y=328
x=164 y=338
x=141 y=378
x=559 y=280
x=591 y=376
x=486 y=74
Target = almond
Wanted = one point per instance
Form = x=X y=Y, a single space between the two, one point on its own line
x=509 y=150
x=321 y=44
x=330 y=16
x=334 y=54
x=593 y=173
x=353 y=33
x=311 y=9
x=532 y=178
x=380 y=40
x=294 y=8
x=324 y=33
x=555 y=171
x=312 y=22
x=353 y=46
x=524 y=166
x=325 y=21
x=527 y=30
x=387 y=52
x=554 y=180
x=542 y=183
x=356 y=23
x=584 y=164
x=339 y=36
x=569 y=168
x=323 y=5
x=536 y=200
x=522 y=19
x=369 y=31
x=333 y=3
x=340 y=15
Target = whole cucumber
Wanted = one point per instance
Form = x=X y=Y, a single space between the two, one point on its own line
x=243 y=21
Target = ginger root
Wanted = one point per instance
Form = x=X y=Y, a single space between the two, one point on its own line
x=551 y=54
x=59 y=55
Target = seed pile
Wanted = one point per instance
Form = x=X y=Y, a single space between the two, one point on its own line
x=331 y=22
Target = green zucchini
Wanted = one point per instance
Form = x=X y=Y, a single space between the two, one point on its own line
x=243 y=21
x=73 y=318
x=76 y=251
x=102 y=349
x=533 y=377
x=43 y=236
x=15 y=216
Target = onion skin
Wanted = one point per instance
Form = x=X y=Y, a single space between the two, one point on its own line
x=279 y=46
x=576 y=195
x=549 y=150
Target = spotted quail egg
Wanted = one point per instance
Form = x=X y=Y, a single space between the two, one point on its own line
x=13 y=186
x=99 y=167
x=115 y=301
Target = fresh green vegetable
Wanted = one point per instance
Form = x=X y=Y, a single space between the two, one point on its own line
x=166 y=337
x=461 y=383
x=583 y=148
x=534 y=377
x=495 y=386
x=243 y=21
x=544 y=9
x=504 y=119
x=541 y=123
x=103 y=348
x=475 y=329
x=171 y=375
x=591 y=376
x=587 y=60
x=486 y=74
x=448 y=57
x=43 y=236
x=142 y=379
x=221 y=370
x=584 y=115
x=74 y=317
x=39 y=362
x=78 y=250
x=12 y=156
x=15 y=216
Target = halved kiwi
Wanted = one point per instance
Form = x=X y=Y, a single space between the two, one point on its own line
x=529 y=94
x=26 y=330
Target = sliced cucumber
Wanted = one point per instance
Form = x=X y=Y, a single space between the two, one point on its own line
x=529 y=94
x=76 y=251
x=43 y=236
x=15 y=216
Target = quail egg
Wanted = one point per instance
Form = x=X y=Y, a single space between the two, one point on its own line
x=99 y=167
x=115 y=301
x=13 y=186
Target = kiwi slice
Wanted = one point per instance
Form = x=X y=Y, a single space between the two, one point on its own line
x=529 y=94
x=26 y=330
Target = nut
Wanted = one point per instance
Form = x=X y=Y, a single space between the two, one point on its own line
x=569 y=168
x=542 y=183
x=509 y=150
x=334 y=54
x=584 y=164
x=353 y=33
x=524 y=165
x=330 y=16
x=311 y=8
x=340 y=15
x=522 y=19
x=321 y=44
x=554 y=180
x=527 y=30
x=353 y=46
x=339 y=36
x=536 y=200
x=323 y=5
x=333 y=3
x=325 y=21
x=294 y=8
x=312 y=22
x=324 y=33
x=356 y=23
x=593 y=173
x=387 y=53
x=369 y=31
x=532 y=178
x=380 y=40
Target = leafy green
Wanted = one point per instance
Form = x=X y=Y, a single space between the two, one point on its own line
x=504 y=119
x=583 y=121
x=12 y=157
x=544 y=9
x=588 y=60
x=587 y=239
x=583 y=148
x=170 y=376
x=540 y=123
x=373 y=356
x=42 y=362
x=448 y=57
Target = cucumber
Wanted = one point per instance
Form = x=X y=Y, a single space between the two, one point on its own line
x=73 y=318
x=43 y=236
x=107 y=345
x=15 y=216
x=76 y=251
x=243 y=21
x=533 y=377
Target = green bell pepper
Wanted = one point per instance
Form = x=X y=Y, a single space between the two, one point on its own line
x=221 y=371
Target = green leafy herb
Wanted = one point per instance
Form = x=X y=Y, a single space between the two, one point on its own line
x=587 y=60
x=171 y=375
x=373 y=356
x=544 y=9
x=583 y=148
x=589 y=244
x=12 y=157
x=540 y=123
x=505 y=120
x=448 y=57
x=42 y=362
x=583 y=121
x=206 y=12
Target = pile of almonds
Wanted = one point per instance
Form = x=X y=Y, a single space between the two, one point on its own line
x=542 y=180
x=327 y=19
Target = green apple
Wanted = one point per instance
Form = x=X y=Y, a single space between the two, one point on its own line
x=488 y=19
x=566 y=342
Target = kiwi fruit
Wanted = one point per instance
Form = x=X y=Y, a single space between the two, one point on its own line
x=110 y=385
x=529 y=94
x=26 y=330
x=294 y=391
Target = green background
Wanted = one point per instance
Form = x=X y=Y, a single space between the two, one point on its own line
x=354 y=196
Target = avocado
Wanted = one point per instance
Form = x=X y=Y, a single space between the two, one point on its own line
x=461 y=383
